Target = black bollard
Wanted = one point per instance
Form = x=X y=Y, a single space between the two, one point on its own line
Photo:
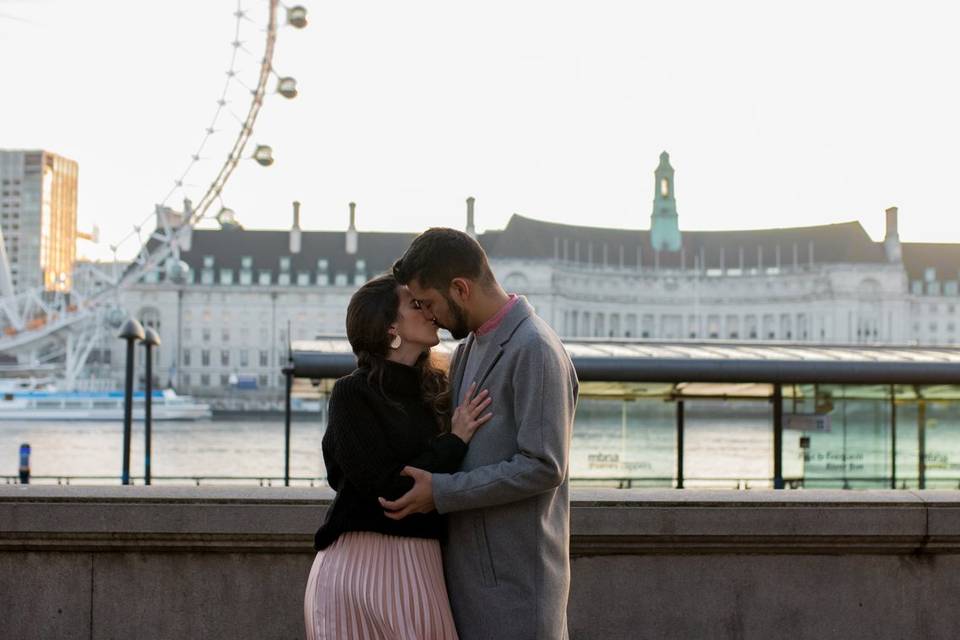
x=150 y=340
x=131 y=332
x=25 y=463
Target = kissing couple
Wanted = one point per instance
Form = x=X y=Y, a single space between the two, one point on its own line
x=451 y=517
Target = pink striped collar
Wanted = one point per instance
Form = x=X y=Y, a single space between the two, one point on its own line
x=498 y=317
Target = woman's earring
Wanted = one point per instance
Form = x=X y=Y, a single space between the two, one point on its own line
x=396 y=342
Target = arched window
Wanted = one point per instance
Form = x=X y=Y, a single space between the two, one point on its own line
x=664 y=187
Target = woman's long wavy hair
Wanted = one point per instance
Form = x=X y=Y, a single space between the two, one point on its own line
x=372 y=309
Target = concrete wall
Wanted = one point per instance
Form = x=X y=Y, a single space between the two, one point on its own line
x=159 y=562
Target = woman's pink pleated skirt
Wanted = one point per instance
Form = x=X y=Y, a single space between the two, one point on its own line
x=370 y=586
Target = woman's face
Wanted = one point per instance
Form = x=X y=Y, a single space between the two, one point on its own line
x=412 y=326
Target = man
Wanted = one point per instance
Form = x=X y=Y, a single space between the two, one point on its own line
x=506 y=558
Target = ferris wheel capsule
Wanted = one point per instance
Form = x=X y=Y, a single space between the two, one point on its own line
x=115 y=317
x=263 y=154
x=287 y=87
x=297 y=17
x=177 y=270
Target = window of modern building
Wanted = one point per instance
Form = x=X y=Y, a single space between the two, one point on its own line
x=599 y=326
x=929 y=274
x=283 y=279
x=186 y=379
x=713 y=327
x=262 y=381
x=205 y=379
x=244 y=358
x=264 y=277
x=226 y=276
x=205 y=357
x=206 y=276
x=205 y=334
x=340 y=280
x=207 y=262
x=264 y=358
x=646 y=326
x=769 y=327
x=225 y=357
x=224 y=380
x=225 y=334
x=186 y=357
x=786 y=326
x=733 y=327
x=284 y=263
x=246 y=277
x=246 y=262
x=323 y=279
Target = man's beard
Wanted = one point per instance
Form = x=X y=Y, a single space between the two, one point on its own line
x=458 y=328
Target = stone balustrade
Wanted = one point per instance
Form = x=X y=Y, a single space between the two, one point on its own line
x=214 y=562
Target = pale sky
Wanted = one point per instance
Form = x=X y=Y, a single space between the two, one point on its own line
x=774 y=113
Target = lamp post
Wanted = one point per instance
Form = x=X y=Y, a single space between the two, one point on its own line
x=288 y=375
x=150 y=340
x=131 y=332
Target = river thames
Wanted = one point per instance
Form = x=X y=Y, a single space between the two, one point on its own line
x=727 y=445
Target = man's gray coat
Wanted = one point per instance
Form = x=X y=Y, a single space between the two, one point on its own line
x=507 y=555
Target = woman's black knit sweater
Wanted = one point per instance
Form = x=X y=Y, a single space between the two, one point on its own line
x=369 y=440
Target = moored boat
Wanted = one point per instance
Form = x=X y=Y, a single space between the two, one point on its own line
x=20 y=404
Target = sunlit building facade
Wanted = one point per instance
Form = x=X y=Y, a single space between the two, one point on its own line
x=38 y=218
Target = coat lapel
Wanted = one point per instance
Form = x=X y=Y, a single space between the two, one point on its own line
x=501 y=336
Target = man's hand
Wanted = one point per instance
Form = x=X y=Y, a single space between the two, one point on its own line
x=418 y=500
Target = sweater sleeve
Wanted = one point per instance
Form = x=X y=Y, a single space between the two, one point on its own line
x=362 y=452
x=444 y=455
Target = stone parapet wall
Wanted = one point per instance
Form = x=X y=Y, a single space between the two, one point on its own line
x=171 y=562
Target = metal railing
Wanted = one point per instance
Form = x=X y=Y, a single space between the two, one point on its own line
x=618 y=482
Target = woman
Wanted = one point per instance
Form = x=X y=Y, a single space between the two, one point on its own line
x=374 y=577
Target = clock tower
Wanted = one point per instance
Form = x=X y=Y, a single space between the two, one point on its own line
x=664 y=226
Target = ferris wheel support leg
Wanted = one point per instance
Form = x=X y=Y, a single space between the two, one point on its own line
x=79 y=346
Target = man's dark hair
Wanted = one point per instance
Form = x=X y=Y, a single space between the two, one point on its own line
x=438 y=255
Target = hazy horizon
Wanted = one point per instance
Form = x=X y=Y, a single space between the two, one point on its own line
x=773 y=116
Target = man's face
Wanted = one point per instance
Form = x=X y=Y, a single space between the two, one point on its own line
x=443 y=310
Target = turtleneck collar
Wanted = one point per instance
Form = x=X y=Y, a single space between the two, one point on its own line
x=400 y=379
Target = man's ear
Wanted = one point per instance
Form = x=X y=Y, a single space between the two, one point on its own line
x=460 y=290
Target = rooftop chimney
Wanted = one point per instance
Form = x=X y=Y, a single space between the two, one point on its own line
x=891 y=242
x=471 y=229
x=352 y=230
x=295 y=229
